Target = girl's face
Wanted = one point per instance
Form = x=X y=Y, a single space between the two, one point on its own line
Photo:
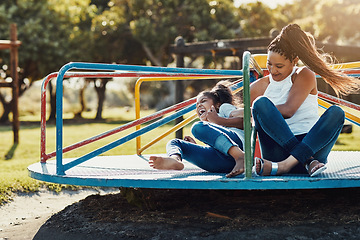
x=278 y=66
x=203 y=104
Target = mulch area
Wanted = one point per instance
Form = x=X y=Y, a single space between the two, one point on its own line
x=210 y=214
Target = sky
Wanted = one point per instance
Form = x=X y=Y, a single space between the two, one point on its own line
x=270 y=3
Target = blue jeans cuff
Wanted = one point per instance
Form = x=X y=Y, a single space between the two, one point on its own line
x=302 y=152
x=223 y=144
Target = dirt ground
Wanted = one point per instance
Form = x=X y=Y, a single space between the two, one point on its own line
x=209 y=214
x=22 y=217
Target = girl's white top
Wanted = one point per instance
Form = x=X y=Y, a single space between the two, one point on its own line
x=224 y=111
x=307 y=114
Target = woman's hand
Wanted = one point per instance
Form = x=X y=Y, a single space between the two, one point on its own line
x=189 y=139
x=237 y=113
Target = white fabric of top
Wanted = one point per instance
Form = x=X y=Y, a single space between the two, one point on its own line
x=225 y=111
x=307 y=114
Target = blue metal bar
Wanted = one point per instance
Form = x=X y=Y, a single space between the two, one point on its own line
x=122 y=67
x=111 y=67
x=136 y=133
x=129 y=137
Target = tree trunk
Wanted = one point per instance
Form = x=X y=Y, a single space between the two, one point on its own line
x=52 y=94
x=100 y=87
x=82 y=100
x=151 y=56
x=7 y=109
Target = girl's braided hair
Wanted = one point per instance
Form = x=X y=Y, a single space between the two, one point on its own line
x=220 y=94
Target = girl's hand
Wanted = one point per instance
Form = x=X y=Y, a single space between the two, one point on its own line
x=203 y=117
x=212 y=115
x=189 y=139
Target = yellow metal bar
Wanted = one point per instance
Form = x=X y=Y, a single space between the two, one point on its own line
x=173 y=129
x=346 y=65
x=347 y=114
x=172 y=78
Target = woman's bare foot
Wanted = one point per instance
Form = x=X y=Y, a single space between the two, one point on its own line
x=238 y=169
x=165 y=163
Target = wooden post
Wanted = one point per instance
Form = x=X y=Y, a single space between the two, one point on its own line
x=179 y=86
x=15 y=81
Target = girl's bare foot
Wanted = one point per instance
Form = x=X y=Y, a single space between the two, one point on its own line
x=238 y=169
x=165 y=163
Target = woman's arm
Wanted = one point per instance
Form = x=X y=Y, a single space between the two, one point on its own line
x=258 y=88
x=213 y=117
x=304 y=83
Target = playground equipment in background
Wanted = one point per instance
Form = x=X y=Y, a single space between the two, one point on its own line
x=133 y=171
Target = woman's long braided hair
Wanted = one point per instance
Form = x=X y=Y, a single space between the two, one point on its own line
x=293 y=42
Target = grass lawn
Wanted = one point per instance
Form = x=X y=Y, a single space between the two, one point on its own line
x=14 y=160
x=13 y=171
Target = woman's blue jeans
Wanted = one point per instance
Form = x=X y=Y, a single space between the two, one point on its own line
x=213 y=156
x=278 y=142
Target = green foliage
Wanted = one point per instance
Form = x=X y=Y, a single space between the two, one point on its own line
x=256 y=20
x=44 y=37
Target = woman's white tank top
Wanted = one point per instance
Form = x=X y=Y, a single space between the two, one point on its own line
x=307 y=114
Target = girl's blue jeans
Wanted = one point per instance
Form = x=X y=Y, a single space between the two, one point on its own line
x=213 y=156
x=278 y=142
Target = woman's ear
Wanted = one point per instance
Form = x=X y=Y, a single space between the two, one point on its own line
x=295 y=61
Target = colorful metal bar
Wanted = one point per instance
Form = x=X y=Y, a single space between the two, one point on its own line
x=247 y=115
x=339 y=101
x=127 y=138
x=151 y=79
x=173 y=129
x=123 y=127
x=43 y=155
x=348 y=116
x=109 y=67
x=346 y=65
x=235 y=87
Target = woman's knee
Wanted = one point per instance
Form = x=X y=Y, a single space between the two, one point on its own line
x=262 y=104
x=336 y=112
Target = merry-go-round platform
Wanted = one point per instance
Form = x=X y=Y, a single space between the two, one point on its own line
x=343 y=171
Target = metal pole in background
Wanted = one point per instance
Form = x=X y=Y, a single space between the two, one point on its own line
x=179 y=86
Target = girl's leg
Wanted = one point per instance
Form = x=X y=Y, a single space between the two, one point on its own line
x=205 y=157
x=216 y=136
x=224 y=140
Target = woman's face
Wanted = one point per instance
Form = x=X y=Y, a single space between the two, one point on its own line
x=278 y=66
x=203 y=104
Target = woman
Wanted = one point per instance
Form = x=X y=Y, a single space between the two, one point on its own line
x=293 y=138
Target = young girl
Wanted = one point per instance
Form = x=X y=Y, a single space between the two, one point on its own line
x=285 y=107
x=220 y=132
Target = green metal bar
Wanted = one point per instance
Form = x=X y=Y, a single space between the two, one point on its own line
x=247 y=114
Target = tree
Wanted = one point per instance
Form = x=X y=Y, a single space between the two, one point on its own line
x=257 y=19
x=156 y=23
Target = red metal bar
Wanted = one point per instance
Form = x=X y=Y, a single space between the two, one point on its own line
x=338 y=100
x=44 y=156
